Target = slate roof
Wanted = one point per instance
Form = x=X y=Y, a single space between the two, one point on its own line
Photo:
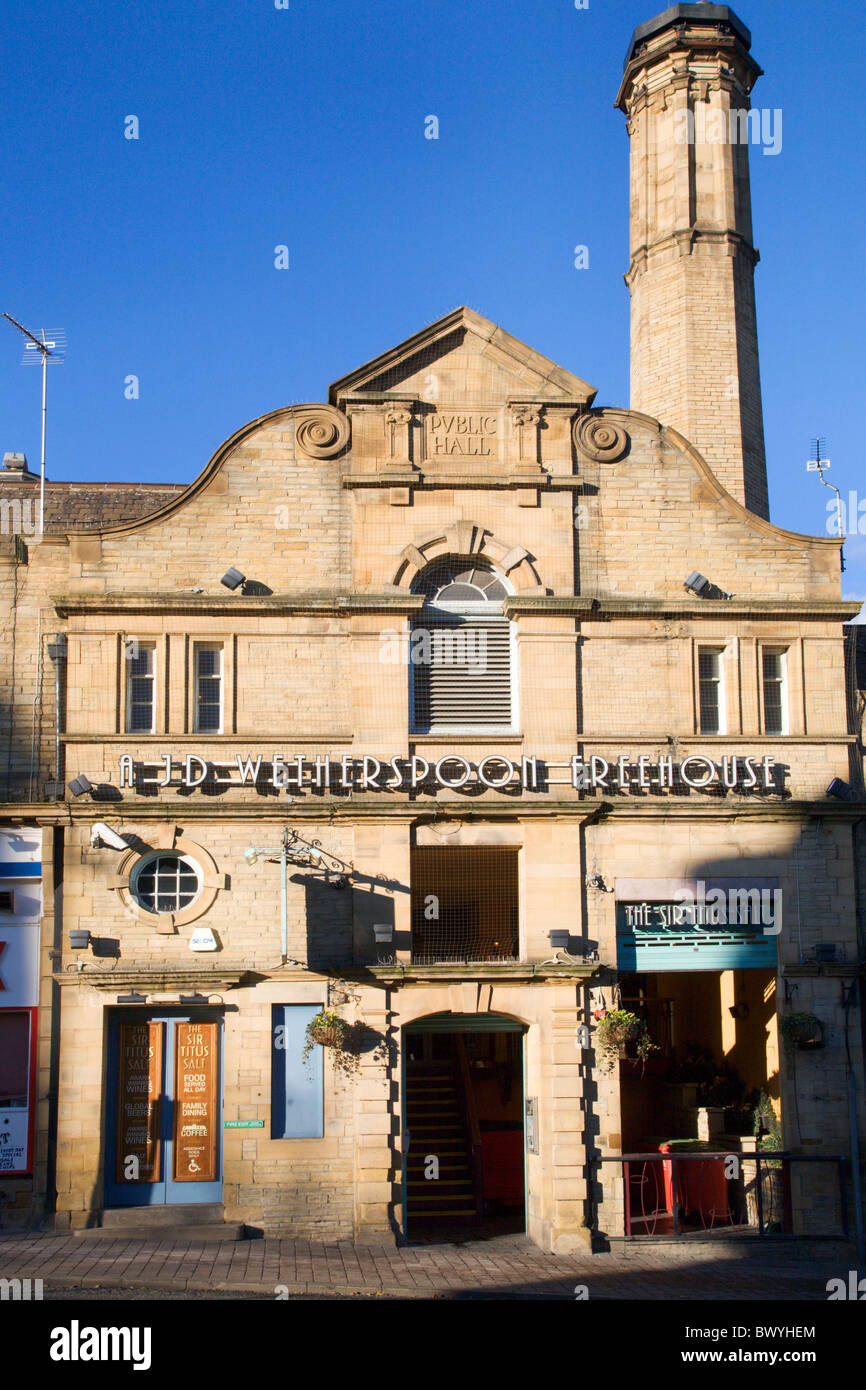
x=79 y=506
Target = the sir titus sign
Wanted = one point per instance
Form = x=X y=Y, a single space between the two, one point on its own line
x=365 y=773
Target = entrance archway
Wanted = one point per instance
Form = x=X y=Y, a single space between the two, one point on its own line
x=463 y=1127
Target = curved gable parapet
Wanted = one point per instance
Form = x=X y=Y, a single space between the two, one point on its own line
x=735 y=508
x=321 y=432
x=613 y=446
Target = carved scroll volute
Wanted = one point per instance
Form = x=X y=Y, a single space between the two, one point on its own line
x=321 y=431
x=599 y=439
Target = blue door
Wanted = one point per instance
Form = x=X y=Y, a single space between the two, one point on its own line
x=164 y=1109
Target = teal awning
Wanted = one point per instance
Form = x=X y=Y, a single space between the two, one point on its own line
x=465 y=1023
x=659 y=946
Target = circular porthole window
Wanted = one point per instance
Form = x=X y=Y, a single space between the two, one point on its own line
x=166 y=882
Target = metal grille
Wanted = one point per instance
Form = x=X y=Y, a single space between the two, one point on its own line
x=464 y=905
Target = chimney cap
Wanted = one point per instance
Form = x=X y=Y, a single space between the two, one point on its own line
x=677 y=14
x=17 y=464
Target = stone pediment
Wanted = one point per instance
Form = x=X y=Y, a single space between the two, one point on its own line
x=460 y=399
x=462 y=357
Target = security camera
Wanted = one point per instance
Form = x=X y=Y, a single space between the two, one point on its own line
x=102 y=836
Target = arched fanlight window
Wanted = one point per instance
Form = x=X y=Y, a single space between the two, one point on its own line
x=461 y=650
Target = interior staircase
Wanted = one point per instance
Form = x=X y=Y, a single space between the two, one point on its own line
x=437 y=1127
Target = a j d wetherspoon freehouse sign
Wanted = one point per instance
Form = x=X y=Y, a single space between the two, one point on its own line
x=365 y=773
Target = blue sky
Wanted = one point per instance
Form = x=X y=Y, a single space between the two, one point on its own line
x=305 y=127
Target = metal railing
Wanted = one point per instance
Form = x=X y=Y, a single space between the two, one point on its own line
x=689 y=1194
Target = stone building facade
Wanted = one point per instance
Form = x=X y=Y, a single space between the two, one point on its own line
x=402 y=710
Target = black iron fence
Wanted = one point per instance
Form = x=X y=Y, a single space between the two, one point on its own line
x=757 y=1193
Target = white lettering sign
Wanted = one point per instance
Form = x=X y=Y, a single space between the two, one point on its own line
x=366 y=772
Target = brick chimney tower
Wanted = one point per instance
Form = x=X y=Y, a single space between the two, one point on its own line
x=694 y=341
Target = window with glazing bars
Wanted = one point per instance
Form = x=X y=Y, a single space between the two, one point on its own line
x=208 y=688
x=710 y=690
x=775 y=695
x=140 y=690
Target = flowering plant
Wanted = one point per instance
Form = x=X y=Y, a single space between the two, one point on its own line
x=328 y=1029
x=619 y=1028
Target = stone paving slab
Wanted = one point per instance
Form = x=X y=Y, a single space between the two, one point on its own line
x=510 y=1267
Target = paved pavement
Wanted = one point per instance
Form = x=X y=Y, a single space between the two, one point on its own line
x=508 y=1267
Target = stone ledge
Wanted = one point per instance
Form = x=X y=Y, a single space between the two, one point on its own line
x=601 y=608
x=370 y=808
x=550 y=482
x=525 y=972
x=159 y=980
x=323 y=601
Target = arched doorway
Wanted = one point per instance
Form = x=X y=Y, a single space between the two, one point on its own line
x=463 y=1127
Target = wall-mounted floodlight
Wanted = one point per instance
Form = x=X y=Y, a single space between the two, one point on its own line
x=826 y=953
x=251 y=856
x=132 y=998
x=233 y=579
x=558 y=940
x=79 y=785
x=696 y=583
x=841 y=790
x=79 y=940
x=383 y=932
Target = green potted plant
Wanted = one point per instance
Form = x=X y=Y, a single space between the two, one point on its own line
x=768 y=1139
x=621 y=1032
x=801 y=1030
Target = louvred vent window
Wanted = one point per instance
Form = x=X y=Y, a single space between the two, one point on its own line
x=461 y=651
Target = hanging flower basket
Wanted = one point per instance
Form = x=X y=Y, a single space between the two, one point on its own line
x=803 y=1031
x=620 y=1034
x=327 y=1029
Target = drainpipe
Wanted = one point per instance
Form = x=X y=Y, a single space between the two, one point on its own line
x=284 y=890
x=855 y=1163
x=57 y=651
